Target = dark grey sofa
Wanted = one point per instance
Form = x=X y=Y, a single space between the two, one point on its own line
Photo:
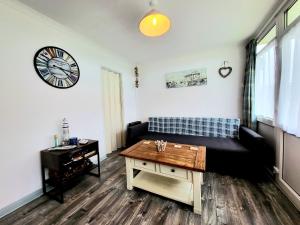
x=223 y=154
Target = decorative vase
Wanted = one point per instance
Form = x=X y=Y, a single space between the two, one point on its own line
x=160 y=145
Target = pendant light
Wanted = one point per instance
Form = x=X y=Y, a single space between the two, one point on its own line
x=154 y=23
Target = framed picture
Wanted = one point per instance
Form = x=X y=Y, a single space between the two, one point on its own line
x=187 y=78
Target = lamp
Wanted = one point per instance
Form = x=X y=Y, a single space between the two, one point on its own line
x=154 y=23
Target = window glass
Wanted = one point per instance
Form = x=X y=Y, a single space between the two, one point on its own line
x=293 y=13
x=265 y=82
x=266 y=40
x=289 y=92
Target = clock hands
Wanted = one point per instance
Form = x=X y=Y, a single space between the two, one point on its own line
x=62 y=69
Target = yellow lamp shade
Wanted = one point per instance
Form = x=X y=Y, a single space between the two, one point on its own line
x=154 y=24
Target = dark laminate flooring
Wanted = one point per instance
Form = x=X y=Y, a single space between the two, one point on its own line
x=226 y=200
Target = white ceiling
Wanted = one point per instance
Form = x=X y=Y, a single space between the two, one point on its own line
x=196 y=24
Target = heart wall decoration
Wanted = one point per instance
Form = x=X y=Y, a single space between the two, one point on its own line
x=225 y=70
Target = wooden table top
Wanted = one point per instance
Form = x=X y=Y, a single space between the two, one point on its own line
x=183 y=157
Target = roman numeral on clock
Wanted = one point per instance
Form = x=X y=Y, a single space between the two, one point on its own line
x=45 y=54
x=69 y=82
x=60 y=83
x=59 y=53
x=74 y=73
x=39 y=62
x=43 y=58
x=50 y=79
x=44 y=72
x=51 y=52
x=73 y=78
x=73 y=65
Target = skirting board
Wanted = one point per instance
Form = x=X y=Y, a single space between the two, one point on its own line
x=293 y=197
x=25 y=200
x=289 y=193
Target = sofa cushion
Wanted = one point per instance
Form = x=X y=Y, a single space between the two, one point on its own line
x=208 y=127
x=221 y=152
x=218 y=144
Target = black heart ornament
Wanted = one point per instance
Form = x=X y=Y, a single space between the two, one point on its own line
x=225 y=71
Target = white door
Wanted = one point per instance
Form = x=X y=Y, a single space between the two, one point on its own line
x=113 y=118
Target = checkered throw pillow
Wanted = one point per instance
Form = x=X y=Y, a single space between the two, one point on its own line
x=208 y=127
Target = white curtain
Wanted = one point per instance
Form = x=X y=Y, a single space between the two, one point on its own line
x=112 y=110
x=289 y=93
x=265 y=82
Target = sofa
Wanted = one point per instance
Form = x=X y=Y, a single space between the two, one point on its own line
x=229 y=146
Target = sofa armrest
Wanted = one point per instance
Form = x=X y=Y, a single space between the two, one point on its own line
x=252 y=140
x=133 y=123
x=134 y=132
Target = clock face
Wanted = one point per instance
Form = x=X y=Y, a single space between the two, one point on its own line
x=56 y=67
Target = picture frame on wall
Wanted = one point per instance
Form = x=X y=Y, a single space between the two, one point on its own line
x=187 y=78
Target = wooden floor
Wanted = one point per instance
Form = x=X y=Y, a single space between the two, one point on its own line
x=226 y=200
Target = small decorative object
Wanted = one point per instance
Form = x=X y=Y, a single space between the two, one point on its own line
x=187 y=78
x=83 y=141
x=56 y=67
x=136 y=72
x=160 y=145
x=65 y=136
x=73 y=141
x=56 y=140
x=225 y=71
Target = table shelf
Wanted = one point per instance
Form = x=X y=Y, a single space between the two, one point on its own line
x=178 y=190
x=63 y=170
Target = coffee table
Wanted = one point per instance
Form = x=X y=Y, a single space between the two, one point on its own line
x=176 y=173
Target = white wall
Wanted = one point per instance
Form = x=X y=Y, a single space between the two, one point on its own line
x=220 y=98
x=31 y=111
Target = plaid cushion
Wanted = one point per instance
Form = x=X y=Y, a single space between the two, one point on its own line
x=208 y=127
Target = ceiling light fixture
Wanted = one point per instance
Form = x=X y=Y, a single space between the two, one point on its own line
x=154 y=23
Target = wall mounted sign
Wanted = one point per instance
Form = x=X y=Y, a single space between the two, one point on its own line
x=56 y=67
x=225 y=71
x=187 y=78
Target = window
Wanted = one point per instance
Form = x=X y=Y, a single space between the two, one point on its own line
x=289 y=93
x=271 y=35
x=292 y=13
x=265 y=76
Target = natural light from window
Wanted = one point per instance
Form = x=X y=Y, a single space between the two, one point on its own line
x=293 y=13
x=265 y=76
x=266 y=40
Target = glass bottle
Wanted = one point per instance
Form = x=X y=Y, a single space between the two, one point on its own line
x=65 y=128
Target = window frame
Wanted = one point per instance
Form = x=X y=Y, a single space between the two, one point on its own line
x=286 y=10
x=264 y=34
x=278 y=19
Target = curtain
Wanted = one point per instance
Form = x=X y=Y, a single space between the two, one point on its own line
x=112 y=110
x=249 y=118
x=289 y=93
x=265 y=82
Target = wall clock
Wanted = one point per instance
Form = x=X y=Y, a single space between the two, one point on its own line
x=56 y=67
